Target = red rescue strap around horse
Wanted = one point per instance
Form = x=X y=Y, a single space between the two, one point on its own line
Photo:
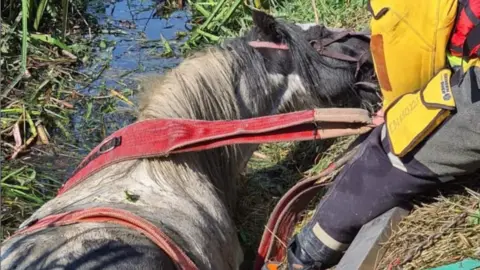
x=120 y=217
x=162 y=137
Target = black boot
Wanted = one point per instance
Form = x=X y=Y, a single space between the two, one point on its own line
x=310 y=254
x=298 y=259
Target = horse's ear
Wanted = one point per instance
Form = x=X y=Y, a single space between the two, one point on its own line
x=278 y=60
x=267 y=25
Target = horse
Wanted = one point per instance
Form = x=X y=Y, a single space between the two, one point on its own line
x=191 y=196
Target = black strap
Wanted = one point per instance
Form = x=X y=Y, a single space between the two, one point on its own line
x=456 y=48
x=469 y=12
x=380 y=14
x=472 y=41
x=463 y=3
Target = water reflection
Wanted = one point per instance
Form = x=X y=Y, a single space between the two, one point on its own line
x=130 y=45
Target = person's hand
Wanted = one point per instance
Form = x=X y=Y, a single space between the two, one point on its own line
x=378 y=118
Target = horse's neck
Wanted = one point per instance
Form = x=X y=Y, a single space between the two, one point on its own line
x=215 y=85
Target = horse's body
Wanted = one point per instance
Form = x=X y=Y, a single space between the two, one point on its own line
x=191 y=196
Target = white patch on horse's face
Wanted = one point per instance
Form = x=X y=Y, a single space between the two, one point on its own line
x=306 y=26
x=276 y=79
x=294 y=86
x=295 y=83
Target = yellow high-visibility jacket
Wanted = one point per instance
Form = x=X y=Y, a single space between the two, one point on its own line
x=409 y=40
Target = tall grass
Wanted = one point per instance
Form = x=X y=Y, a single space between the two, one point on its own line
x=25 y=16
x=40 y=63
x=34 y=75
x=31 y=19
x=39 y=52
x=217 y=20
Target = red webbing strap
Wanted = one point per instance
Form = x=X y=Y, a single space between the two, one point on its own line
x=121 y=217
x=283 y=218
x=281 y=222
x=161 y=137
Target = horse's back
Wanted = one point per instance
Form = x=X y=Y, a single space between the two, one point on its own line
x=83 y=246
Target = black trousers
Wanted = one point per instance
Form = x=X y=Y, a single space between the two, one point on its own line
x=373 y=182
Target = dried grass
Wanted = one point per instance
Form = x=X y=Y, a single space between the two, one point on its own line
x=436 y=233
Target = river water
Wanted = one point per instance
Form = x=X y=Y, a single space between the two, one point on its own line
x=132 y=44
x=128 y=41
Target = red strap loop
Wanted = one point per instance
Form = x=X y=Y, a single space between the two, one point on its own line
x=121 y=217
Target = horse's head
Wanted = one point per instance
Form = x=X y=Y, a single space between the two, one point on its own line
x=317 y=60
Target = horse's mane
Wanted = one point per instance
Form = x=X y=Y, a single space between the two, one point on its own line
x=200 y=87
x=192 y=90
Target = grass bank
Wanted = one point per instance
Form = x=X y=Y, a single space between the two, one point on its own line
x=57 y=102
x=42 y=44
x=217 y=20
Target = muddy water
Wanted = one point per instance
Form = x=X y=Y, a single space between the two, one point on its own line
x=132 y=44
x=128 y=41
